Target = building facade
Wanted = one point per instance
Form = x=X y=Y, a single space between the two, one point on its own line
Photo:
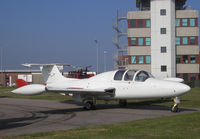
x=163 y=39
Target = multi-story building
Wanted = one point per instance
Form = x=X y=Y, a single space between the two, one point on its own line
x=163 y=39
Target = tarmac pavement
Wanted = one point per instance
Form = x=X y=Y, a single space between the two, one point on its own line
x=24 y=116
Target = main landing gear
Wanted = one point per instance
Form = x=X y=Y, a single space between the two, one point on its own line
x=90 y=105
x=122 y=103
x=174 y=108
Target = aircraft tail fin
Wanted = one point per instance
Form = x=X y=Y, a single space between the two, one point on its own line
x=50 y=72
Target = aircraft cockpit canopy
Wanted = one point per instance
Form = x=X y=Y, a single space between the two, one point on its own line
x=129 y=75
x=119 y=75
x=142 y=76
x=132 y=75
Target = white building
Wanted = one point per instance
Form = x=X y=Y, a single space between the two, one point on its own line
x=163 y=39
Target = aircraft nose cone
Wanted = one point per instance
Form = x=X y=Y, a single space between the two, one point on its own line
x=182 y=88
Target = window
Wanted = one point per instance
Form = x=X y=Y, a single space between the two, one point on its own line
x=192 y=59
x=185 y=59
x=163 y=49
x=184 y=22
x=192 y=22
x=163 y=31
x=142 y=76
x=148 y=41
x=126 y=61
x=163 y=68
x=141 y=60
x=133 y=23
x=185 y=40
x=177 y=22
x=192 y=40
x=163 y=12
x=129 y=75
x=148 y=60
x=140 y=23
x=178 y=42
x=178 y=59
x=178 y=75
x=192 y=77
x=185 y=76
x=148 y=23
x=133 y=41
x=140 y=41
x=118 y=75
x=133 y=59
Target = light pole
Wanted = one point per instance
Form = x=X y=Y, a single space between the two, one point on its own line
x=97 y=55
x=1 y=66
x=105 y=52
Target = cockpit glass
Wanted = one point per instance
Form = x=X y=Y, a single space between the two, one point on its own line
x=129 y=75
x=142 y=76
x=119 y=74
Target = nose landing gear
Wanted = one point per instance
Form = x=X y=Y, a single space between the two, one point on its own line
x=174 y=108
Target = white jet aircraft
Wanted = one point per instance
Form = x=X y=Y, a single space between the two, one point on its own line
x=113 y=85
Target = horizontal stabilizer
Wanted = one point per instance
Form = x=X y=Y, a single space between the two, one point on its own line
x=40 y=65
x=50 y=72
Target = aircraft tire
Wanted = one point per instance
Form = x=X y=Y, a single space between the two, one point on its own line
x=175 y=109
x=89 y=106
x=122 y=103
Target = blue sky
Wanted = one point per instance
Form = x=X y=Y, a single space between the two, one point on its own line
x=60 y=31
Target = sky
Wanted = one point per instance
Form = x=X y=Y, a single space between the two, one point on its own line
x=61 y=31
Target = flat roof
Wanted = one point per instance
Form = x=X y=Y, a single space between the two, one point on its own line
x=21 y=71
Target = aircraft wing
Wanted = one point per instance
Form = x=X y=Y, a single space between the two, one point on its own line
x=82 y=91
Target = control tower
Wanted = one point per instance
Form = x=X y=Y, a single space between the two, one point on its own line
x=163 y=39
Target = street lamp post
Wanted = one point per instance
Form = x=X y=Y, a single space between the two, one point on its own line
x=97 y=55
x=105 y=52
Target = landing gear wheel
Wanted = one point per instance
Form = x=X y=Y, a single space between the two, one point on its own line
x=175 y=108
x=89 y=105
x=122 y=103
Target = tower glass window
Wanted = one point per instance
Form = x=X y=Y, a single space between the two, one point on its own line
x=148 y=59
x=178 y=59
x=178 y=41
x=141 y=60
x=185 y=59
x=184 y=22
x=133 y=59
x=140 y=23
x=163 y=68
x=185 y=40
x=192 y=59
x=133 y=41
x=140 y=41
x=163 y=12
x=163 y=49
x=133 y=23
x=192 y=40
x=148 y=23
x=192 y=22
x=163 y=31
x=177 y=22
x=148 y=41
